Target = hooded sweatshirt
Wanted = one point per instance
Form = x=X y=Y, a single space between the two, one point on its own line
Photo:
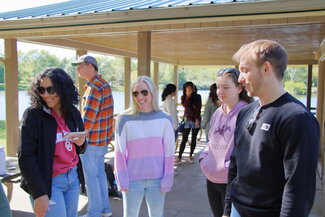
x=216 y=156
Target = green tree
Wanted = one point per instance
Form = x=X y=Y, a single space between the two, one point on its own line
x=33 y=62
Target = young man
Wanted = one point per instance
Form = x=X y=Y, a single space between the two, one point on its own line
x=273 y=166
x=97 y=114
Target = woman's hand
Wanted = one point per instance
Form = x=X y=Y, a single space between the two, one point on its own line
x=78 y=140
x=197 y=122
x=41 y=205
x=125 y=190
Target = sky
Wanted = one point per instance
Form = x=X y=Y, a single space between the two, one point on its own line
x=13 y=5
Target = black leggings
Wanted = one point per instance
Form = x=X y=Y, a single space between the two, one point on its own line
x=186 y=132
x=216 y=195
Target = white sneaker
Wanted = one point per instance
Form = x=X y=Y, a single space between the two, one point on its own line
x=190 y=160
x=108 y=214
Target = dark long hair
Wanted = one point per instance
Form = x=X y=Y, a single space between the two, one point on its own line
x=169 y=89
x=213 y=93
x=188 y=84
x=234 y=74
x=63 y=85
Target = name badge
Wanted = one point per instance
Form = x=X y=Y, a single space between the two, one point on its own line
x=265 y=127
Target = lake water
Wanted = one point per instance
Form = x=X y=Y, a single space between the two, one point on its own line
x=118 y=99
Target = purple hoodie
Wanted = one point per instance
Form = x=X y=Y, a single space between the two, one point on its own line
x=216 y=156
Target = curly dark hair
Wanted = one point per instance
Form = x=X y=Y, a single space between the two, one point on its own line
x=63 y=85
x=169 y=89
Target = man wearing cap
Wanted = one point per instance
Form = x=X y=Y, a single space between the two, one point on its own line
x=97 y=114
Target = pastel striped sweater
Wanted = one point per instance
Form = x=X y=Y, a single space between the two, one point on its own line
x=144 y=149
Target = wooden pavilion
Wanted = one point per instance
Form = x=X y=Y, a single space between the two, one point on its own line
x=181 y=33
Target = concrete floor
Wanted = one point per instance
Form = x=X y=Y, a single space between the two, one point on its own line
x=188 y=197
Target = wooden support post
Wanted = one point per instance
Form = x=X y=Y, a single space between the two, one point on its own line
x=144 y=53
x=320 y=113
x=127 y=81
x=176 y=82
x=11 y=92
x=309 y=80
x=156 y=76
x=80 y=82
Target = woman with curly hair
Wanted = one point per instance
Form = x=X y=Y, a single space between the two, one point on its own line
x=48 y=157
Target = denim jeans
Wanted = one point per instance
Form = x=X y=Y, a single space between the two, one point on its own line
x=4 y=204
x=234 y=212
x=150 y=188
x=64 y=195
x=96 y=180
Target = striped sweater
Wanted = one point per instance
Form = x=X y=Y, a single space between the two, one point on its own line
x=144 y=149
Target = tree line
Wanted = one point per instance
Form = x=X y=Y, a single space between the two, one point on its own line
x=112 y=70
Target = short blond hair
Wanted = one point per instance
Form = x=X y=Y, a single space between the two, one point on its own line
x=265 y=50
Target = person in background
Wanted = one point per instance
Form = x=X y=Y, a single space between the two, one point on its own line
x=273 y=166
x=144 y=152
x=4 y=204
x=214 y=161
x=48 y=160
x=97 y=114
x=169 y=105
x=192 y=103
x=210 y=107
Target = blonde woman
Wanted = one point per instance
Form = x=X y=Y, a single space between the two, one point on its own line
x=144 y=160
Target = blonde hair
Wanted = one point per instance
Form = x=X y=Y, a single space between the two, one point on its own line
x=134 y=109
x=264 y=50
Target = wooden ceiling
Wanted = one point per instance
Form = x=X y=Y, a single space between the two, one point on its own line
x=218 y=46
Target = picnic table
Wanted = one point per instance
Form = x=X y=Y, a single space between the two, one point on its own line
x=11 y=176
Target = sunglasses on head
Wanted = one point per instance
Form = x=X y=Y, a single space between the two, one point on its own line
x=143 y=93
x=250 y=125
x=228 y=70
x=49 y=90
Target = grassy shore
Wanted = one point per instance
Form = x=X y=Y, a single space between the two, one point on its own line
x=3 y=134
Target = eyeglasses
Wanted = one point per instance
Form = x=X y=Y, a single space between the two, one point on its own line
x=49 y=90
x=250 y=125
x=143 y=93
x=228 y=70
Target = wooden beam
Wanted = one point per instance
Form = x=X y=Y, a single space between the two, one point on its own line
x=70 y=43
x=127 y=81
x=11 y=92
x=73 y=44
x=144 y=53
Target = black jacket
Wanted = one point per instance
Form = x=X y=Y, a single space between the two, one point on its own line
x=273 y=166
x=37 y=148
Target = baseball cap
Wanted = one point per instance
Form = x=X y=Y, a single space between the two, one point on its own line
x=86 y=59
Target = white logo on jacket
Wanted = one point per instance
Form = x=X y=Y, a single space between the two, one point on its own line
x=265 y=127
